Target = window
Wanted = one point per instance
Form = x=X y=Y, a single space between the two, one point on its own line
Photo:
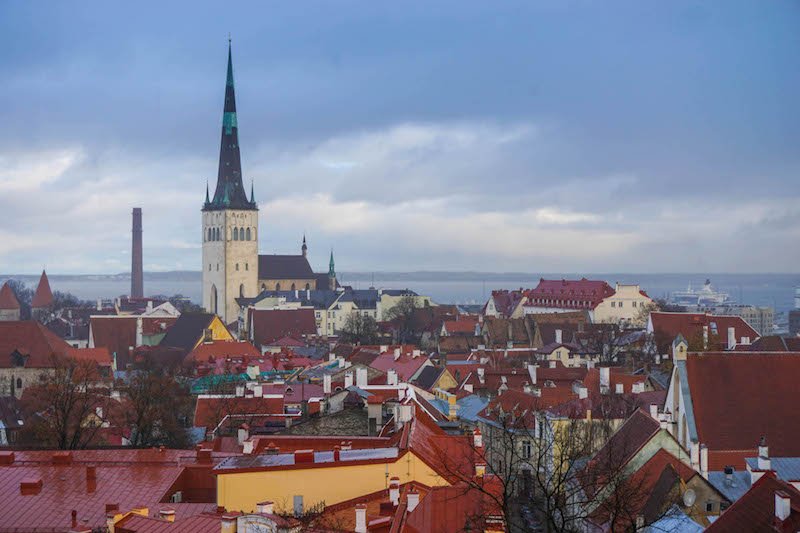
x=633 y=304
x=619 y=304
x=293 y=286
x=241 y=290
x=709 y=507
x=277 y=286
x=247 y=233
x=237 y=267
x=209 y=267
x=613 y=304
x=246 y=266
x=263 y=287
x=298 y=505
x=19 y=383
x=526 y=449
x=217 y=267
x=308 y=286
x=209 y=234
x=235 y=234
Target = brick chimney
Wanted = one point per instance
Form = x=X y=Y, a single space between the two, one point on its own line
x=137 y=277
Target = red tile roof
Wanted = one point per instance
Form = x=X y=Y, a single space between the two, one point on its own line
x=128 y=478
x=31 y=340
x=459 y=508
x=739 y=397
x=8 y=300
x=43 y=297
x=462 y=325
x=211 y=410
x=506 y=301
x=667 y=326
x=221 y=350
x=269 y=325
x=200 y=523
x=405 y=366
x=576 y=294
x=101 y=356
x=755 y=510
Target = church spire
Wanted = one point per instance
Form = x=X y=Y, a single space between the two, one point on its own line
x=252 y=193
x=331 y=269
x=304 y=248
x=208 y=201
x=230 y=192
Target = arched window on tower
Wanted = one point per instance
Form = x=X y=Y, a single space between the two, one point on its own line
x=277 y=286
x=247 y=232
x=293 y=287
x=241 y=290
x=308 y=286
x=209 y=234
x=263 y=287
x=235 y=234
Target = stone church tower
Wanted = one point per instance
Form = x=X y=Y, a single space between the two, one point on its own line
x=230 y=224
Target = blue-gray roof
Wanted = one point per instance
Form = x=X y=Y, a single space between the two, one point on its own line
x=734 y=488
x=468 y=407
x=675 y=521
x=786 y=468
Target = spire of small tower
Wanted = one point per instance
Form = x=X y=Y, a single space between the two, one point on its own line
x=331 y=269
x=252 y=193
x=208 y=200
x=43 y=297
x=304 y=248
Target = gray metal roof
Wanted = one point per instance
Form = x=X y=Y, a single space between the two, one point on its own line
x=786 y=468
x=733 y=488
x=287 y=459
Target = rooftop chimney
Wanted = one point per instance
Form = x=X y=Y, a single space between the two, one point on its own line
x=763 y=455
x=394 y=490
x=654 y=411
x=391 y=377
x=704 y=460
x=361 y=518
x=167 y=514
x=412 y=499
x=326 y=384
x=361 y=377
x=348 y=379
x=137 y=278
x=243 y=434
x=605 y=377
x=396 y=354
x=731 y=338
x=783 y=506
x=266 y=507
x=558 y=336
x=477 y=438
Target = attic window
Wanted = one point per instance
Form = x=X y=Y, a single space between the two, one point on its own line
x=549 y=384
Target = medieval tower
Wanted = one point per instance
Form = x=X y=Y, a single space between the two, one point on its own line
x=230 y=224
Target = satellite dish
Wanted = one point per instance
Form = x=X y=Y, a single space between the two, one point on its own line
x=689 y=497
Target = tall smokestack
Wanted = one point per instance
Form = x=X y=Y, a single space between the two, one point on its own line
x=137 y=277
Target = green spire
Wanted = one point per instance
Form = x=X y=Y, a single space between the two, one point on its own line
x=331 y=269
x=229 y=81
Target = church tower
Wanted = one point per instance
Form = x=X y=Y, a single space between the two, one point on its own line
x=230 y=224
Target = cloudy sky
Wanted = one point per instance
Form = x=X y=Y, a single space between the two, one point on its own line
x=496 y=136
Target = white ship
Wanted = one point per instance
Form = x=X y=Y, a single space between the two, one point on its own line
x=705 y=297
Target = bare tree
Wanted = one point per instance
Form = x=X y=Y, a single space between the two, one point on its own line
x=401 y=315
x=156 y=409
x=65 y=409
x=359 y=329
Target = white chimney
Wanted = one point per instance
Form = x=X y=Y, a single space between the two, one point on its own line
x=731 y=338
x=532 y=373
x=413 y=500
x=558 y=336
x=243 y=434
x=552 y=364
x=149 y=305
x=394 y=490
x=326 y=384
x=583 y=392
x=361 y=377
x=620 y=388
x=481 y=374
x=391 y=377
x=415 y=353
x=266 y=507
x=348 y=379
x=605 y=377
x=745 y=340
x=654 y=411
x=477 y=438
x=258 y=391
x=139 y=331
x=240 y=391
x=396 y=354
x=783 y=507
x=99 y=304
x=704 y=460
x=361 y=518
x=764 y=462
x=331 y=356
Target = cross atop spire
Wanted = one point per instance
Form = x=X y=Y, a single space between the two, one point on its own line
x=230 y=192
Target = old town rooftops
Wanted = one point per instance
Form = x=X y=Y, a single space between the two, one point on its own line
x=305 y=459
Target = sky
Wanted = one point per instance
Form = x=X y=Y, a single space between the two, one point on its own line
x=558 y=136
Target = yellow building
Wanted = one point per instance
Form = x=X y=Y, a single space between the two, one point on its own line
x=625 y=305
x=323 y=474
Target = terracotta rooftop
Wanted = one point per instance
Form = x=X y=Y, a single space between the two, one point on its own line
x=755 y=511
x=667 y=326
x=740 y=397
x=269 y=325
x=221 y=350
x=34 y=342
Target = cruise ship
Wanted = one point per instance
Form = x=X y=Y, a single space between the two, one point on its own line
x=705 y=297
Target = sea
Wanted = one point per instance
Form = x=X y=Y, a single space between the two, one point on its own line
x=770 y=290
